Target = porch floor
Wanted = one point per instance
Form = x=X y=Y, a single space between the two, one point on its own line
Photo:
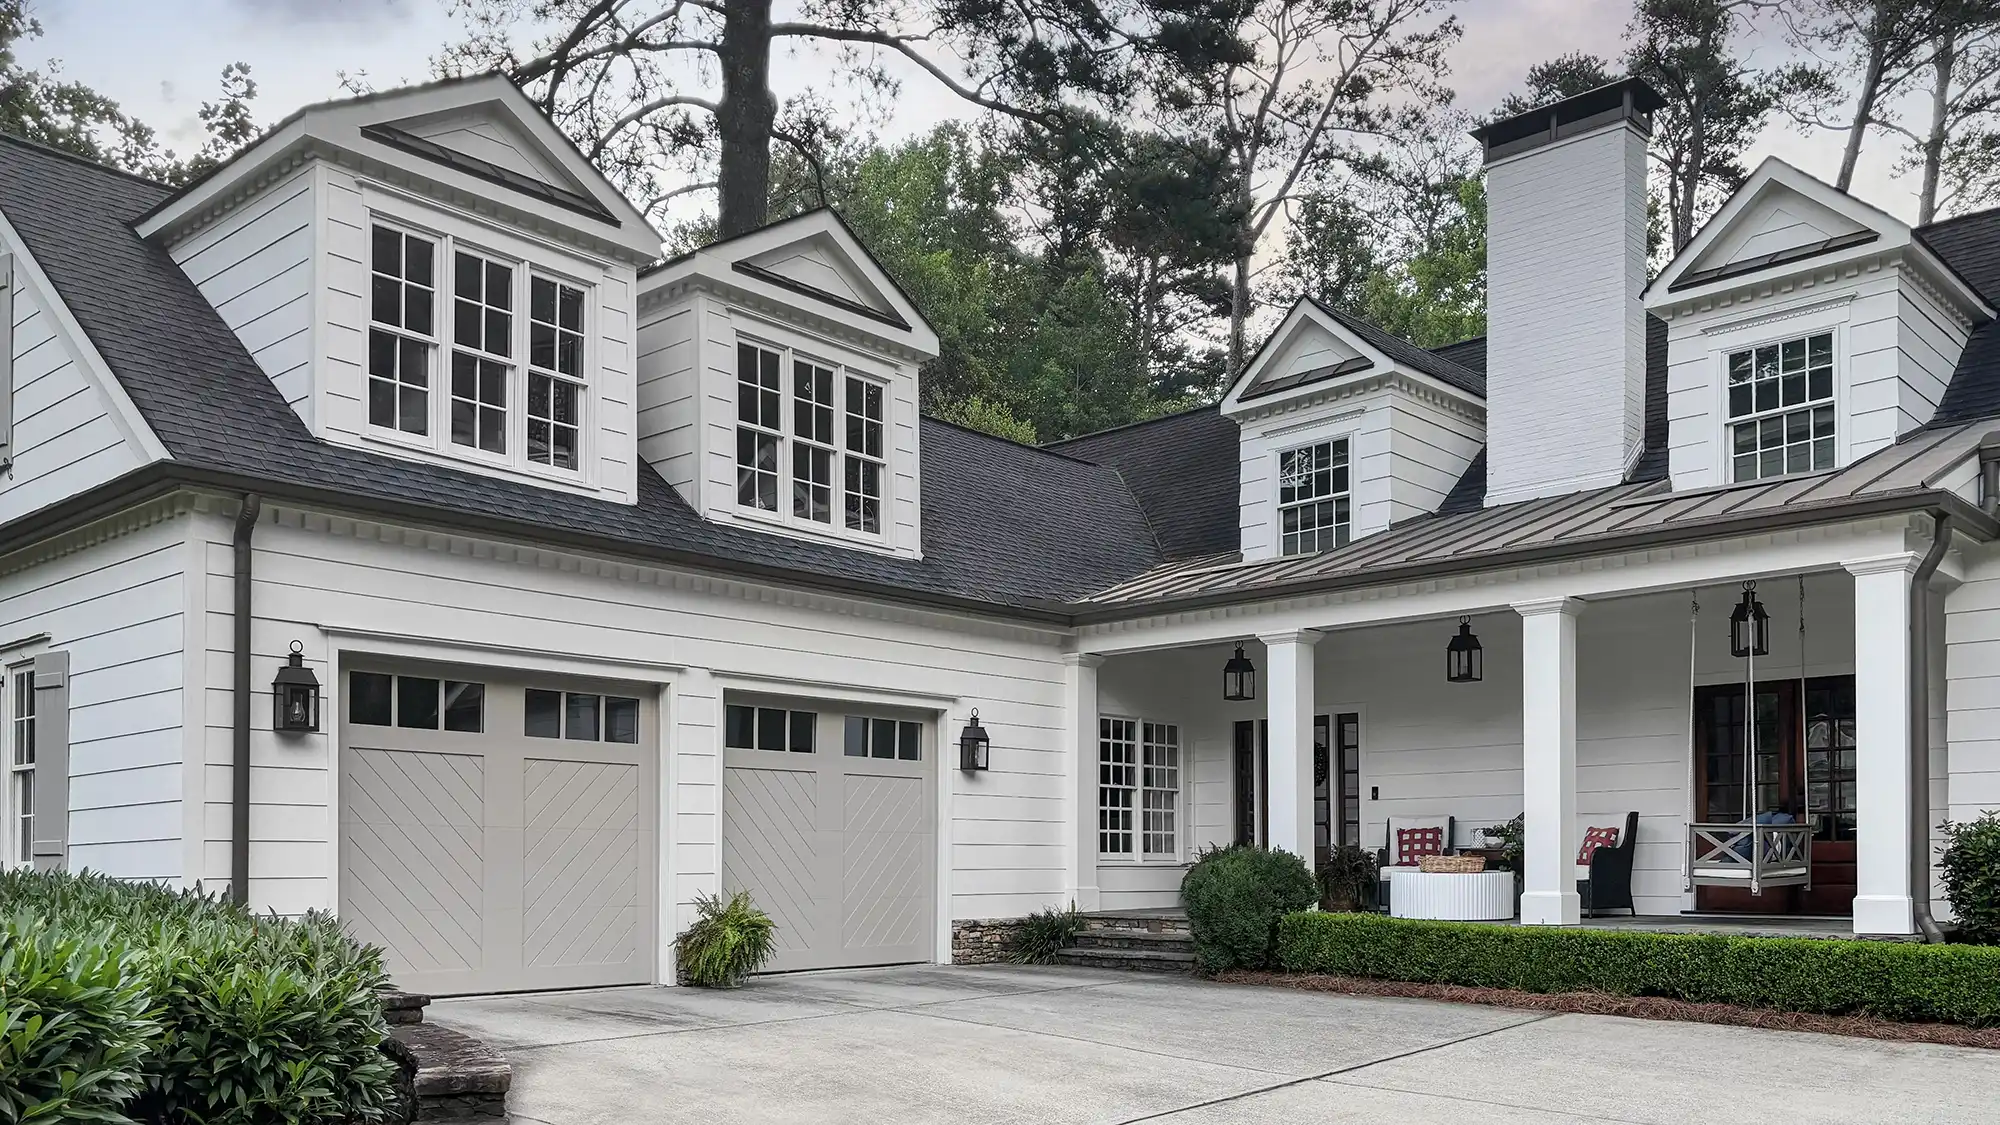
x=1749 y=925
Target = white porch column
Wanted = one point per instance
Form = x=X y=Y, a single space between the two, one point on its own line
x=1080 y=743
x=1882 y=739
x=1548 y=760
x=1289 y=772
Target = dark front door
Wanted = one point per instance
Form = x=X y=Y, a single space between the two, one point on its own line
x=1336 y=781
x=1805 y=767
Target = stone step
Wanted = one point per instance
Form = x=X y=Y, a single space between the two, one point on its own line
x=1134 y=939
x=400 y=1007
x=1141 y=960
x=1150 y=923
x=458 y=1078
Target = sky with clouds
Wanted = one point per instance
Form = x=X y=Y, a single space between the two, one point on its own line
x=161 y=59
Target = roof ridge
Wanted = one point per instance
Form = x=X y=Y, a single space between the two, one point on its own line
x=78 y=158
x=1010 y=441
x=1182 y=413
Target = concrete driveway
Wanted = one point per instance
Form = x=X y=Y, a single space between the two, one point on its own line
x=1002 y=1044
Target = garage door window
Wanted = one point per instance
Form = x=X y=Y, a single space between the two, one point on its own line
x=581 y=716
x=869 y=737
x=769 y=728
x=417 y=702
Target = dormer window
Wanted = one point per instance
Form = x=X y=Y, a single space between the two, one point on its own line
x=1781 y=408
x=476 y=410
x=820 y=430
x=1313 y=497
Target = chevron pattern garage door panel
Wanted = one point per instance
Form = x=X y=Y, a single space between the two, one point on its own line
x=581 y=864
x=886 y=873
x=769 y=849
x=414 y=840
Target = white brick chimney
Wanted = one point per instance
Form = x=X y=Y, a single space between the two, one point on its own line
x=1565 y=265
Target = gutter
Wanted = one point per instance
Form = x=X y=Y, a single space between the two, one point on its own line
x=239 y=790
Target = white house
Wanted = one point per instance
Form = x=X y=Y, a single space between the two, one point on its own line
x=626 y=580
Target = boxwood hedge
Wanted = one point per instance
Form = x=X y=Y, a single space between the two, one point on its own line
x=123 y=1001
x=1894 y=980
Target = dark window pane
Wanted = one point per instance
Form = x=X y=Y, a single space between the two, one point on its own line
x=857 y=737
x=802 y=731
x=499 y=285
x=1739 y=400
x=381 y=403
x=417 y=702
x=570 y=314
x=1822 y=382
x=569 y=354
x=542 y=300
x=1767 y=395
x=909 y=741
x=385 y=300
x=413 y=366
x=544 y=714
x=466 y=276
x=542 y=346
x=388 y=246
x=413 y=411
x=464 y=423
x=499 y=329
x=740 y=727
x=417 y=309
x=881 y=738
x=417 y=260
x=1795 y=389
x=770 y=728
x=464 y=706
x=368 y=698
x=580 y=717
x=621 y=719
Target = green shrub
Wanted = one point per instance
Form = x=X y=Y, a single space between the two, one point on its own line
x=1234 y=897
x=1970 y=870
x=1043 y=934
x=73 y=1024
x=1347 y=878
x=729 y=940
x=1893 y=980
x=249 y=1019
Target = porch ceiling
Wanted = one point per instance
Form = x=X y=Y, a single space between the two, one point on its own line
x=1905 y=475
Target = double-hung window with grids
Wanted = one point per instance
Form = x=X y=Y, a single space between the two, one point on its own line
x=819 y=461
x=1313 y=498
x=17 y=694
x=1781 y=408
x=1138 y=789
x=484 y=381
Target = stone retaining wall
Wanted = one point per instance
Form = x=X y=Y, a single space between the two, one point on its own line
x=983 y=941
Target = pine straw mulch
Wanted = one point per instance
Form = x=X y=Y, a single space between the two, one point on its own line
x=1634 y=1007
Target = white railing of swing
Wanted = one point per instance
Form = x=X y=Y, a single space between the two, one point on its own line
x=1749 y=855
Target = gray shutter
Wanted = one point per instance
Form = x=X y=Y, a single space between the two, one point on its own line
x=51 y=761
x=6 y=360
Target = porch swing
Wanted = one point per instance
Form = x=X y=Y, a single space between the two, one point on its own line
x=1753 y=853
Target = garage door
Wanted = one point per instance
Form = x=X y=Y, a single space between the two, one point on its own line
x=497 y=833
x=829 y=821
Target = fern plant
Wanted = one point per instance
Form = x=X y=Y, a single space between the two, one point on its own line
x=729 y=940
x=1041 y=935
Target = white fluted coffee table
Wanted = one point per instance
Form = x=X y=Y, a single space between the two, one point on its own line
x=1477 y=896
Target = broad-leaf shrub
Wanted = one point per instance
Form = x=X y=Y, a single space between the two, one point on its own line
x=1894 y=980
x=242 y=1019
x=73 y=1023
x=1970 y=871
x=1234 y=897
x=729 y=940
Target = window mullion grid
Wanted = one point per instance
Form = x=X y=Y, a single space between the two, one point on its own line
x=1160 y=785
x=483 y=390
x=1780 y=408
x=1117 y=785
x=864 y=461
x=20 y=746
x=812 y=477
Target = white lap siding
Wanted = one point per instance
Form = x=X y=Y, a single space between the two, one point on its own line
x=491 y=605
x=114 y=598
x=1972 y=638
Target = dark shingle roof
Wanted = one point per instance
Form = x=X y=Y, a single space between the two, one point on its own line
x=1003 y=524
x=1469 y=354
x=1970 y=245
x=1402 y=351
x=1184 y=469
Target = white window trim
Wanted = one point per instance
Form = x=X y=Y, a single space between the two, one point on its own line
x=1723 y=340
x=1138 y=857
x=10 y=694
x=788 y=442
x=1345 y=437
x=525 y=267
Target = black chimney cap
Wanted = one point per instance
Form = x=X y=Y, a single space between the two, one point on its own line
x=1626 y=99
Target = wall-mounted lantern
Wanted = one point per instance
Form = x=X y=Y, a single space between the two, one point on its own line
x=295 y=695
x=973 y=745
x=1464 y=660
x=1239 y=678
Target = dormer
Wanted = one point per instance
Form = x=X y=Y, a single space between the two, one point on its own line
x=1346 y=430
x=432 y=273
x=1806 y=329
x=778 y=386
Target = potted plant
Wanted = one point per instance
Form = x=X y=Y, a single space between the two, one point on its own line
x=1512 y=841
x=1347 y=878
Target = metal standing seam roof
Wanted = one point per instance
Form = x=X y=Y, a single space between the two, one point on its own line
x=1585 y=521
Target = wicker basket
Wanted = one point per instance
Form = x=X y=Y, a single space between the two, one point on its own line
x=1452 y=864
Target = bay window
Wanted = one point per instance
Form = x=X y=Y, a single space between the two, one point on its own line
x=820 y=432
x=1138 y=789
x=490 y=403
x=1781 y=408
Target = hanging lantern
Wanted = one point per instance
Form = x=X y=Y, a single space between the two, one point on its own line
x=1464 y=660
x=1239 y=678
x=973 y=745
x=295 y=695
x=1749 y=626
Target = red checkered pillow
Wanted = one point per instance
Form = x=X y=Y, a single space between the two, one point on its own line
x=1412 y=844
x=1593 y=839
